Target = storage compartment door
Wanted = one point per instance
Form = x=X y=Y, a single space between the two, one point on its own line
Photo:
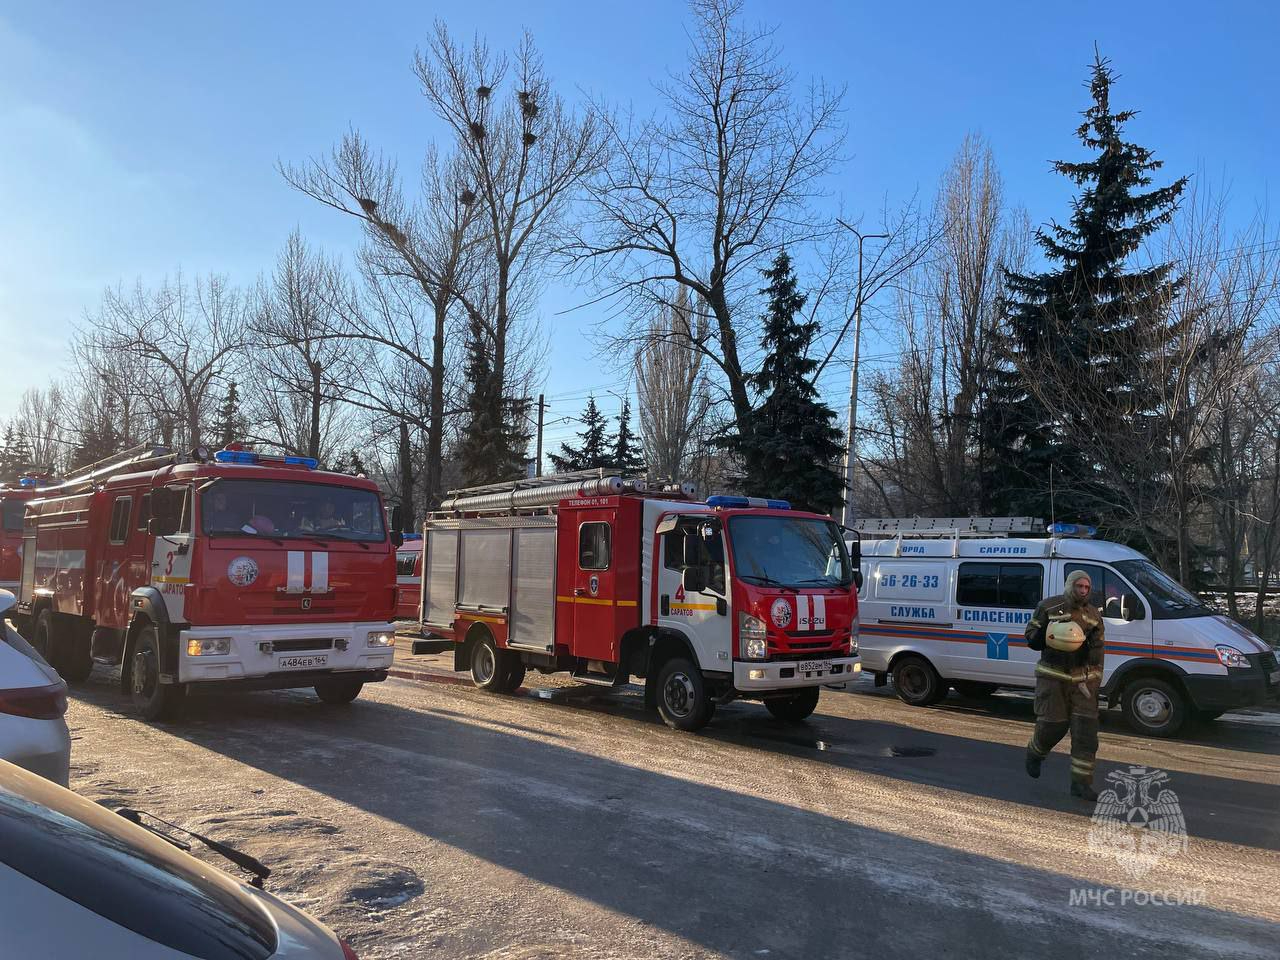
x=533 y=603
x=440 y=577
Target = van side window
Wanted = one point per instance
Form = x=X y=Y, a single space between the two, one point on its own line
x=120 y=511
x=1108 y=589
x=593 y=546
x=1018 y=585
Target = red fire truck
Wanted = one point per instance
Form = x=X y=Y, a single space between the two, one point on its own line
x=13 y=505
x=709 y=602
x=230 y=570
x=409 y=577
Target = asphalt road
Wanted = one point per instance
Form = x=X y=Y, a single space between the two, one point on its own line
x=432 y=820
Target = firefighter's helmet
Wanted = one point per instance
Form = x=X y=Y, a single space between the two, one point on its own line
x=1065 y=635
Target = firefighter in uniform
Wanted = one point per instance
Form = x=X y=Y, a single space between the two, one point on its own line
x=1067 y=630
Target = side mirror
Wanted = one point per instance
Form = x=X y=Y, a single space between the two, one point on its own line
x=854 y=546
x=1114 y=609
x=694 y=579
x=1129 y=608
x=397 y=519
x=857 y=579
x=165 y=517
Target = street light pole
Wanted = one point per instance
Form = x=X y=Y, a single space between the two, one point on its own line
x=850 y=446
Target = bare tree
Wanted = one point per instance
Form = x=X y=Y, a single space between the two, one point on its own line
x=40 y=421
x=526 y=155
x=296 y=393
x=185 y=335
x=702 y=197
x=432 y=244
x=674 y=400
x=947 y=311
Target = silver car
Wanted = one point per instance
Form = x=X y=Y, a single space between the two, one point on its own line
x=33 y=699
x=78 y=880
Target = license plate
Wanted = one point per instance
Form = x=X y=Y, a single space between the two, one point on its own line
x=814 y=666
x=311 y=662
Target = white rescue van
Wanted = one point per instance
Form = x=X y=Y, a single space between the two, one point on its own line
x=944 y=603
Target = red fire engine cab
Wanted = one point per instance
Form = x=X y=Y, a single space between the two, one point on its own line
x=13 y=506
x=708 y=601
x=232 y=570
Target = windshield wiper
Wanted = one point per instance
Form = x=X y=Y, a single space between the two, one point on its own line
x=242 y=860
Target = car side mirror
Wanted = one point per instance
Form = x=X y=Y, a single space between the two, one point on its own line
x=694 y=579
x=1129 y=608
x=857 y=580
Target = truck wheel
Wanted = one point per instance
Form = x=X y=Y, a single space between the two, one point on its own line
x=339 y=690
x=916 y=682
x=682 y=696
x=795 y=708
x=490 y=667
x=515 y=673
x=1153 y=707
x=45 y=640
x=154 y=700
x=974 y=689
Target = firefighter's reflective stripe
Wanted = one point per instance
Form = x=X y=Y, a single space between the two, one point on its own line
x=1047 y=671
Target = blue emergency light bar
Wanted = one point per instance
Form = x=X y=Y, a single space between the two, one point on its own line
x=1072 y=530
x=248 y=456
x=28 y=482
x=720 y=503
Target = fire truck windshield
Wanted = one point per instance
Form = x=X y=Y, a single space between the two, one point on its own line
x=789 y=551
x=287 y=509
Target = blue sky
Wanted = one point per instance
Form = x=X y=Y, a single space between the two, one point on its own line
x=140 y=138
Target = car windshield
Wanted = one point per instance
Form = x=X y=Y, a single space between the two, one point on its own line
x=290 y=510
x=789 y=551
x=1164 y=593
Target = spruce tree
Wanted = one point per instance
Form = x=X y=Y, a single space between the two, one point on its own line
x=495 y=440
x=1082 y=321
x=792 y=451
x=594 y=450
x=230 y=424
x=628 y=457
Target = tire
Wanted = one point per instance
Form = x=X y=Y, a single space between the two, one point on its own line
x=974 y=689
x=795 y=708
x=490 y=667
x=1154 y=707
x=515 y=673
x=339 y=690
x=44 y=638
x=682 y=697
x=154 y=700
x=916 y=682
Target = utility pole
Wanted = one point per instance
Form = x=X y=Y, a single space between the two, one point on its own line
x=542 y=406
x=850 y=445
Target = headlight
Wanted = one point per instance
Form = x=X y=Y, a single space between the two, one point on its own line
x=1231 y=657
x=381 y=639
x=751 y=636
x=216 y=647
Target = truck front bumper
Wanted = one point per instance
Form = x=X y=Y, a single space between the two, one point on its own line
x=279 y=651
x=761 y=677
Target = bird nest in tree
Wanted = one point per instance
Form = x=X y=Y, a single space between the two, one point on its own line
x=530 y=108
x=530 y=139
x=467 y=197
x=368 y=206
x=477 y=129
x=483 y=91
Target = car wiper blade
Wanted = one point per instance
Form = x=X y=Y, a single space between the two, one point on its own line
x=240 y=859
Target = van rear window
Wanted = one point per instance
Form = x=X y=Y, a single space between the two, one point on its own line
x=1018 y=585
